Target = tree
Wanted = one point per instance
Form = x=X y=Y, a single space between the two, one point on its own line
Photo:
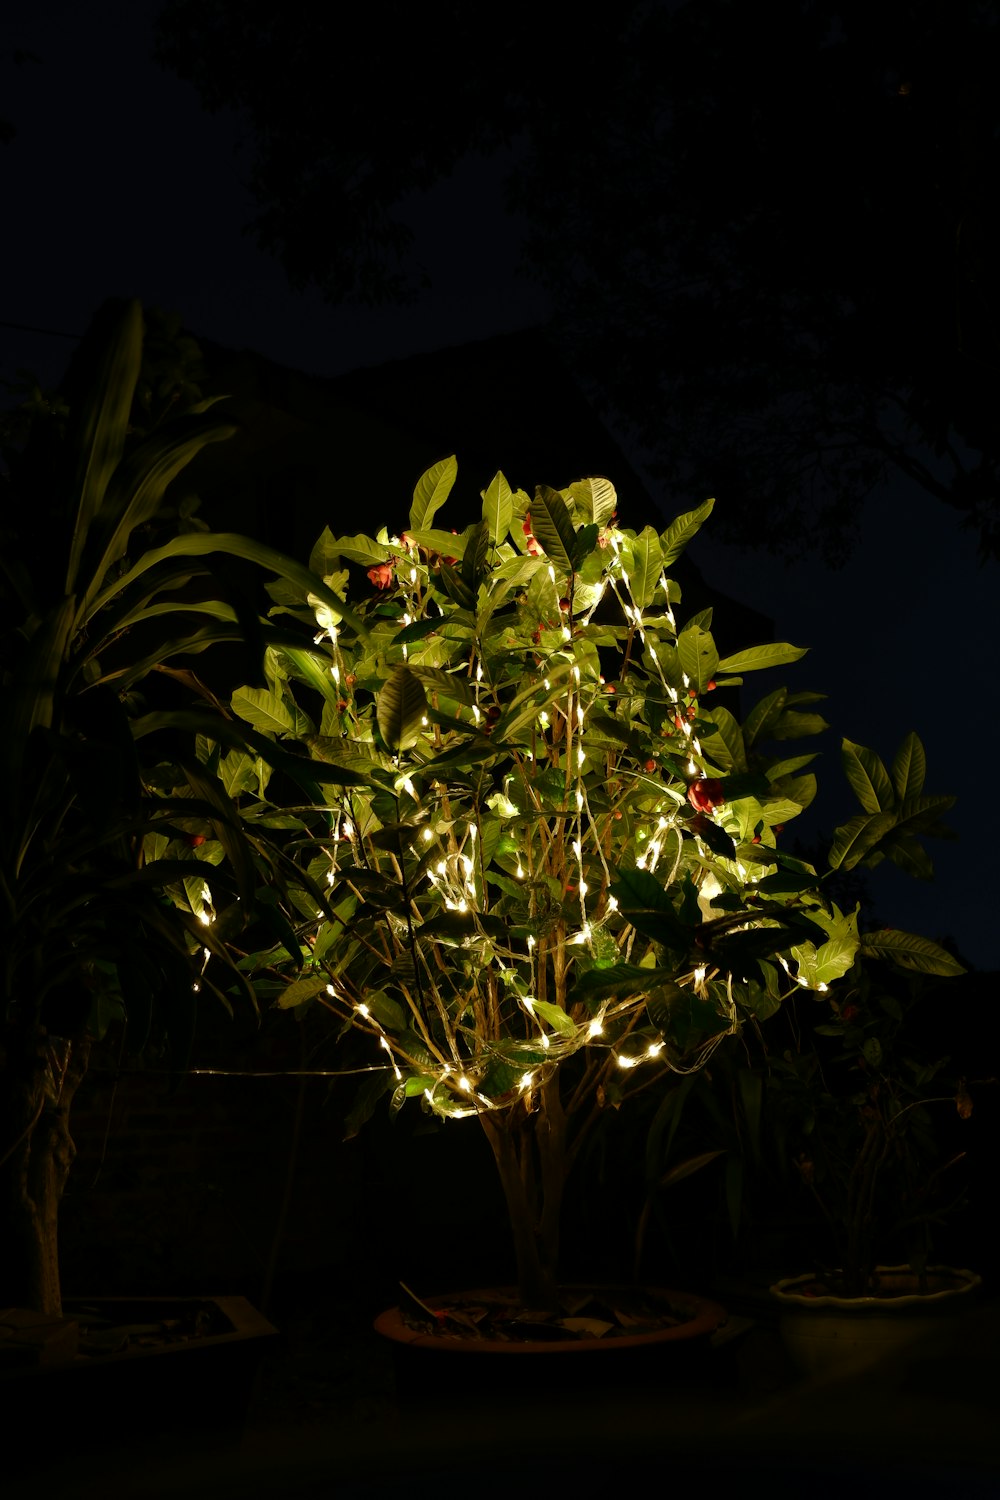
x=770 y=240
x=552 y=856
x=124 y=868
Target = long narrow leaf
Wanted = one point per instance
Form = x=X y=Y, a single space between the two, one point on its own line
x=203 y=543
x=100 y=427
x=135 y=493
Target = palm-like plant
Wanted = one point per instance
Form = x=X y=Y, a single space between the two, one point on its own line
x=118 y=849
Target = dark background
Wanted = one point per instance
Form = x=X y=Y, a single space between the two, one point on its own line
x=117 y=182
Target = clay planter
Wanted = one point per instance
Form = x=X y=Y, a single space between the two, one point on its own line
x=430 y=1363
x=119 y=1372
x=824 y=1333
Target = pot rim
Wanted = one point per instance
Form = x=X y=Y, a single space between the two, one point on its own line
x=963 y=1282
x=707 y=1317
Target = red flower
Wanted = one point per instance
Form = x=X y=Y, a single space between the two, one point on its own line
x=705 y=795
x=381 y=574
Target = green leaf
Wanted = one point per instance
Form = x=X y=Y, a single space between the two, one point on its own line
x=731 y=735
x=763 y=716
x=855 y=838
x=620 y=981
x=553 y=528
x=867 y=776
x=301 y=990
x=832 y=959
x=909 y=951
x=596 y=498
x=910 y=855
x=98 y=433
x=417 y=631
x=402 y=705
x=201 y=543
x=136 y=492
x=448 y=684
x=387 y=1011
x=477 y=550
x=431 y=491
x=647 y=565
x=498 y=508
x=583 y=546
x=444 y=543
x=554 y=1014
x=679 y=532
x=265 y=711
x=775 y=654
x=324 y=554
x=909 y=767
x=795 y=726
x=698 y=657
x=360 y=549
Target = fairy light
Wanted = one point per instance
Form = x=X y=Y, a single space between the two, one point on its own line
x=427 y=835
x=526 y=1082
x=596 y=1028
x=384 y=1044
x=465 y=1085
x=654 y=1049
x=624 y=1060
x=612 y=904
x=519 y=872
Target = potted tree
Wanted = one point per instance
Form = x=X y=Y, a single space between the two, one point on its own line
x=121 y=854
x=856 y=1111
x=551 y=848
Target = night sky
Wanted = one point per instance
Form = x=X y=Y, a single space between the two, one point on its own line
x=117 y=183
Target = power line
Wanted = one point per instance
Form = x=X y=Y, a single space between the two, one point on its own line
x=52 y=333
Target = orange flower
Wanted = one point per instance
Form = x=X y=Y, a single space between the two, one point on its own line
x=381 y=574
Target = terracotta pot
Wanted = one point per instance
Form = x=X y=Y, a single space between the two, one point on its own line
x=428 y=1362
x=827 y=1333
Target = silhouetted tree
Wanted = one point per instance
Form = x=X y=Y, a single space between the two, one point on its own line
x=770 y=238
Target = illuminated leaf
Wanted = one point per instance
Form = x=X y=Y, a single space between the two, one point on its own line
x=402 y=706
x=431 y=491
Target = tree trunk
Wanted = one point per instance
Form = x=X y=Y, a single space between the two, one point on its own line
x=529 y=1150
x=41 y=1076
